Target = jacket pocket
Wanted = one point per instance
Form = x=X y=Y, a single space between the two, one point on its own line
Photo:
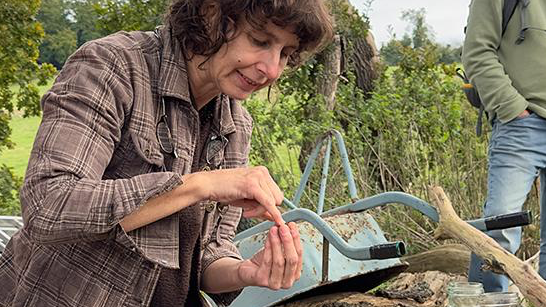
x=138 y=154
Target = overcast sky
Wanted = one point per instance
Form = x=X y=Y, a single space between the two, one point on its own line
x=446 y=17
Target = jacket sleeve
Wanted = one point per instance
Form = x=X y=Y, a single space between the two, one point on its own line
x=481 y=60
x=64 y=198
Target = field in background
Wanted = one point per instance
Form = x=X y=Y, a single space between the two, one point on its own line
x=23 y=131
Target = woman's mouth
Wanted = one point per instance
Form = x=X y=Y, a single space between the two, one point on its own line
x=248 y=80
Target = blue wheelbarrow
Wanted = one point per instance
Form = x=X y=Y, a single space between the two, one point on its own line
x=361 y=257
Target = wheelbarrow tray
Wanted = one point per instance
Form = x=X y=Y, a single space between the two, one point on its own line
x=342 y=273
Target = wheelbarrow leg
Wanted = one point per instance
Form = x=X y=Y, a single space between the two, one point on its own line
x=325 y=259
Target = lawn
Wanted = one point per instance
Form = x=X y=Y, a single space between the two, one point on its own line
x=23 y=131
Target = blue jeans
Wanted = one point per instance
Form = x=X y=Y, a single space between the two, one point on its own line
x=517 y=155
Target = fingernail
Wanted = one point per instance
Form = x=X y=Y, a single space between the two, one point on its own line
x=283 y=229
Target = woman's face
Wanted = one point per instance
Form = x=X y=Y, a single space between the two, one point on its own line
x=252 y=60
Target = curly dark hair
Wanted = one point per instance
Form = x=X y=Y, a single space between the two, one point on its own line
x=203 y=26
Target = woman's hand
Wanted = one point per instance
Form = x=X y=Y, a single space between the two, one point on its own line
x=278 y=265
x=250 y=188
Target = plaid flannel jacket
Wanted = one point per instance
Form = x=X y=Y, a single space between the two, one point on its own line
x=95 y=160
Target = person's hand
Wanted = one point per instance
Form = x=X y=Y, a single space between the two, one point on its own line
x=250 y=188
x=524 y=114
x=278 y=264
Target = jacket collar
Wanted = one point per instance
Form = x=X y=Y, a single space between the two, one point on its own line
x=173 y=81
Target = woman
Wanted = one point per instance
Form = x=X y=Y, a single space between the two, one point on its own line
x=142 y=147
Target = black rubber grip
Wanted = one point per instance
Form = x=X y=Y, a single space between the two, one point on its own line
x=508 y=220
x=388 y=250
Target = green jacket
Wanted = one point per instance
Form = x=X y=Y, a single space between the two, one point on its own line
x=509 y=77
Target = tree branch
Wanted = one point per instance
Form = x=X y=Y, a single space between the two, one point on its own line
x=531 y=285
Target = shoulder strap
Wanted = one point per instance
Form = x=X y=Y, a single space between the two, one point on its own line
x=507 y=11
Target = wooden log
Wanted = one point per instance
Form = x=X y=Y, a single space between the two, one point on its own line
x=531 y=285
x=449 y=258
x=327 y=84
x=426 y=289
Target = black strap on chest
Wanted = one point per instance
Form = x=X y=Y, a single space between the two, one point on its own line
x=508 y=10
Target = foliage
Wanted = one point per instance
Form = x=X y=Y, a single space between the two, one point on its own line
x=9 y=185
x=68 y=24
x=85 y=20
x=421 y=35
x=59 y=40
x=57 y=47
x=391 y=52
x=449 y=54
x=19 y=75
x=23 y=133
x=421 y=133
x=129 y=15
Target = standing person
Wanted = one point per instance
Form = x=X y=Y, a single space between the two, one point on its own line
x=138 y=176
x=509 y=71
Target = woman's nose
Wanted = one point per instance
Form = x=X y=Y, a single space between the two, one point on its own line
x=270 y=66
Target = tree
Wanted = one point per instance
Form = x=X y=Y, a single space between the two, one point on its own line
x=57 y=47
x=129 y=15
x=68 y=24
x=450 y=54
x=20 y=36
x=59 y=40
x=85 y=20
x=420 y=35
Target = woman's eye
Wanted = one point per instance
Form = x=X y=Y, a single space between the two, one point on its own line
x=259 y=43
x=286 y=53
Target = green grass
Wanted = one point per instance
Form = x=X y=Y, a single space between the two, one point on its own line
x=23 y=131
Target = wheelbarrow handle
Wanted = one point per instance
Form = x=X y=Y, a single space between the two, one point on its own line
x=381 y=251
x=503 y=221
x=490 y=223
x=388 y=250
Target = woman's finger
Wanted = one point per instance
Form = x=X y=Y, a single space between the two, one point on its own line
x=270 y=188
x=278 y=195
x=264 y=269
x=252 y=209
x=277 y=266
x=291 y=257
x=267 y=202
x=294 y=231
x=268 y=217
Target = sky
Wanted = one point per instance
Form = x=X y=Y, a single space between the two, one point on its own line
x=447 y=18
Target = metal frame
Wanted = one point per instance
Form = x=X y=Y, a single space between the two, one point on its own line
x=8 y=226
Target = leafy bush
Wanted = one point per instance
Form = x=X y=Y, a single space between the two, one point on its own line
x=421 y=132
x=9 y=195
x=20 y=76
